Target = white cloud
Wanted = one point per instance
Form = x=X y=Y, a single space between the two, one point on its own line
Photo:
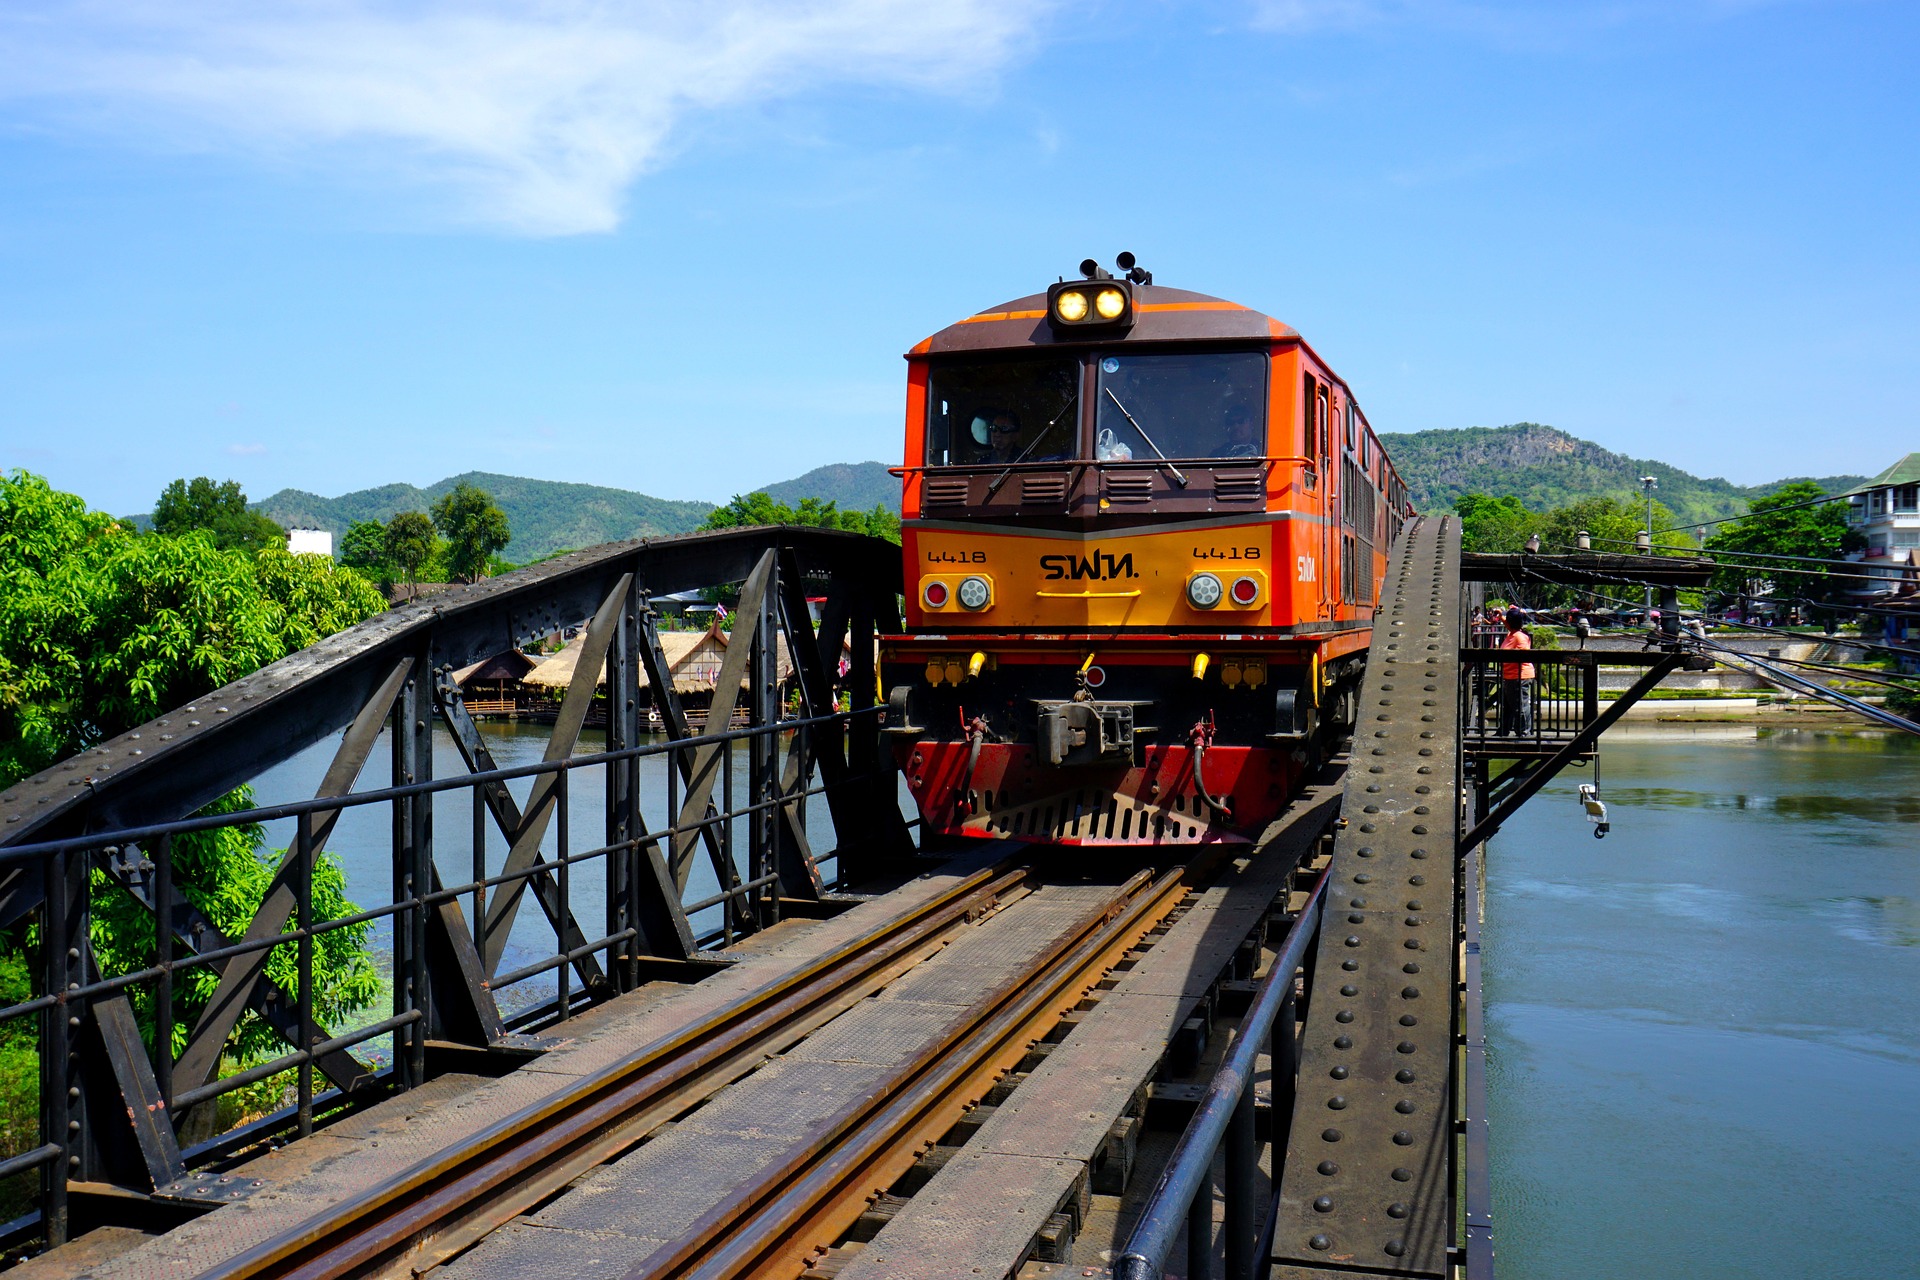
x=540 y=113
x=246 y=450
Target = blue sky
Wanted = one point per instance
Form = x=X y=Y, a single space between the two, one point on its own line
x=679 y=247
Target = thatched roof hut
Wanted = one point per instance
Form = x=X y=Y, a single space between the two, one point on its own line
x=694 y=658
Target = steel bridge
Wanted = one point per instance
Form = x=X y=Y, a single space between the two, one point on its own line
x=685 y=1035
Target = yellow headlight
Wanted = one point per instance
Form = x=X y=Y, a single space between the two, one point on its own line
x=1071 y=305
x=1110 y=303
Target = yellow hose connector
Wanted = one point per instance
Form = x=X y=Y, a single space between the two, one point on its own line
x=1200 y=661
x=976 y=664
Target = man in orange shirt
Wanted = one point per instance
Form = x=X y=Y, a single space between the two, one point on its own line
x=1516 y=680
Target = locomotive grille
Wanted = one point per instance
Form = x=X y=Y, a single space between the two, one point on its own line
x=1130 y=488
x=1238 y=486
x=1043 y=489
x=946 y=491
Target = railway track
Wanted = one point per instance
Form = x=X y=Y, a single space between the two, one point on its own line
x=435 y=1211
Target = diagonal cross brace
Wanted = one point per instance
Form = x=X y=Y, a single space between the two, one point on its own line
x=523 y=855
x=674 y=717
x=508 y=818
x=706 y=767
x=241 y=975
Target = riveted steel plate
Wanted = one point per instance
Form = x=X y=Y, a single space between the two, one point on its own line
x=882 y=1031
x=790 y=1099
x=527 y=1251
x=1367 y=1178
x=978 y=1213
x=661 y=1189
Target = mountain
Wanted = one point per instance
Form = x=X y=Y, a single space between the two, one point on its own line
x=1545 y=467
x=545 y=515
x=855 y=486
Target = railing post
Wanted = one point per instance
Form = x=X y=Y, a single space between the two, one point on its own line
x=623 y=731
x=563 y=874
x=163 y=959
x=57 y=1073
x=412 y=873
x=1200 y=1231
x=763 y=750
x=303 y=906
x=1242 y=1165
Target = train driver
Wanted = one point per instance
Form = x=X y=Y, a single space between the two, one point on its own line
x=1242 y=439
x=999 y=431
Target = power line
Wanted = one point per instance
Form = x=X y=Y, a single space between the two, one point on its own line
x=1831 y=497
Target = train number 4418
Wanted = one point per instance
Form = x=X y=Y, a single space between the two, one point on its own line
x=1306 y=567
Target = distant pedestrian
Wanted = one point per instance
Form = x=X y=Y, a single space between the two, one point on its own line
x=1516 y=680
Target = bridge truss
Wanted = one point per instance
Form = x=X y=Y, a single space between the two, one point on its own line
x=123 y=1080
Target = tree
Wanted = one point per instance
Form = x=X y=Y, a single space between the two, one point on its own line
x=364 y=547
x=1819 y=532
x=409 y=543
x=815 y=513
x=220 y=509
x=1492 y=525
x=102 y=630
x=474 y=527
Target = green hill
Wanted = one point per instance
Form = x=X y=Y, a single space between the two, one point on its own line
x=545 y=515
x=1545 y=467
x=855 y=486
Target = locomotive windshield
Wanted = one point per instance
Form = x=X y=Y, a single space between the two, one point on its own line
x=1203 y=405
x=1005 y=411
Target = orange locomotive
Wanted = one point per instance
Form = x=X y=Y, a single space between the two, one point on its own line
x=1143 y=530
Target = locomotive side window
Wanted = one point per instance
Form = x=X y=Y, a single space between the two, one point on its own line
x=1205 y=405
x=1002 y=411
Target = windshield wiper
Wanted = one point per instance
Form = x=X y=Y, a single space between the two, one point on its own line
x=1171 y=469
x=1034 y=444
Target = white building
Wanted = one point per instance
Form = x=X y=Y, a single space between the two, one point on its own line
x=310 y=542
x=1886 y=509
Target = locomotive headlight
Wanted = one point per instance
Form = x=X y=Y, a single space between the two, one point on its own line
x=1071 y=305
x=1109 y=303
x=1204 y=591
x=974 y=593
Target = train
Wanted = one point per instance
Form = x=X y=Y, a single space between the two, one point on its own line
x=1144 y=531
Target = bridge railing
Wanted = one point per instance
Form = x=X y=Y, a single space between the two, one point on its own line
x=133 y=1011
x=155 y=989
x=1542 y=712
x=1183 y=1197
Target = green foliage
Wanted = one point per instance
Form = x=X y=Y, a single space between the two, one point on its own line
x=759 y=508
x=1820 y=532
x=1494 y=524
x=409 y=543
x=102 y=630
x=474 y=528
x=364 y=547
x=219 y=509
x=1546 y=468
x=226 y=873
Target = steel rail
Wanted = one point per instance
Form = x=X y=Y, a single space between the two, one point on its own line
x=511 y=1164
x=770 y=1227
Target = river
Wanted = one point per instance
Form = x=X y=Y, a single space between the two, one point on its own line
x=1704 y=1049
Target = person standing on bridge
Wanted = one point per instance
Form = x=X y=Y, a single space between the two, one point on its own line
x=1516 y=680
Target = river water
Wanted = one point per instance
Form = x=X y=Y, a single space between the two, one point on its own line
x=1703 y=1030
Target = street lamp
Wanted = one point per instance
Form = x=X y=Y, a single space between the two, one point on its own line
x=1648 y=484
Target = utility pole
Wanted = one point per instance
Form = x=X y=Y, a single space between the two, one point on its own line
x=1648 y=484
